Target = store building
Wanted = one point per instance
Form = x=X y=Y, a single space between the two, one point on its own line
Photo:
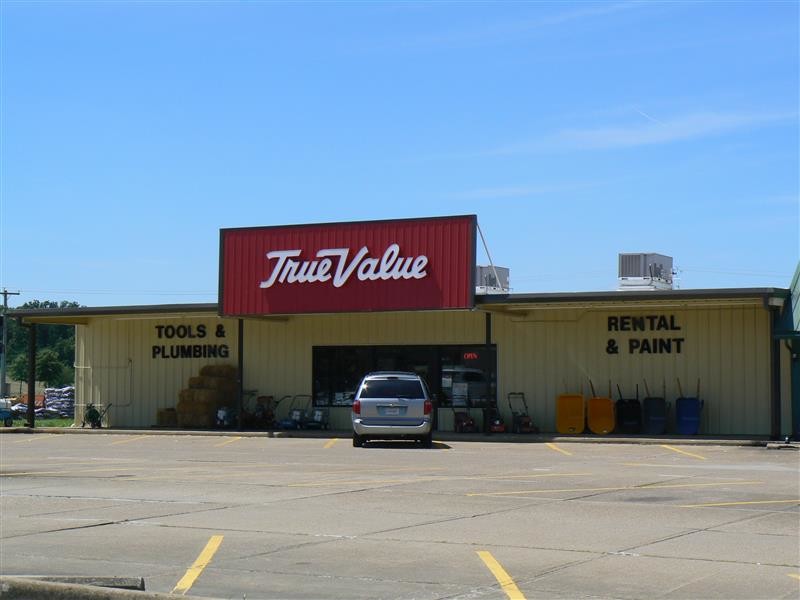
x=307 y=310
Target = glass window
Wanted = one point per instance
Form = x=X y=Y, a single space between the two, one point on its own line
x=337 y=373
x=392 y=388
x=464 y=374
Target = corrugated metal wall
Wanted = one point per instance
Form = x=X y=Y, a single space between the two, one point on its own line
x=114 y=364
x=547 y=352
x=542 y=353
x=278 y=353
x=446 y=280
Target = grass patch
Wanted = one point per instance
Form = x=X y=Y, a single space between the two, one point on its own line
x=46 y=422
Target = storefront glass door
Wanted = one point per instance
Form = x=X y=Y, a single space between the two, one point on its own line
x=457 y=375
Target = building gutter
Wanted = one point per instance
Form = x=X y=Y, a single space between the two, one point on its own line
x=81 y=315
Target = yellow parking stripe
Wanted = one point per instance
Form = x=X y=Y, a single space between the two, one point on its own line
x=793 y=575
x=201 y=563
x=683 y=452
x=331 y=442
x=226 y=442
x=504 y=579
x=129 y=440
x=741 y=503
x=557 y=449
x=617 y=489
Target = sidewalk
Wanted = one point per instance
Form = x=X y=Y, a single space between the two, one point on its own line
x=440 y=436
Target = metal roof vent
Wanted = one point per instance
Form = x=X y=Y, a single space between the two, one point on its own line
x=645 y=271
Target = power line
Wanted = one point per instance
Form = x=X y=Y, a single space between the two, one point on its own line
x=150 y=292
x=730 y=272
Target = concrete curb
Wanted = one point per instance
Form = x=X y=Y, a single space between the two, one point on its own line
x=783 y=445
x=21 y=588
x=439 y=436
x=117 y=583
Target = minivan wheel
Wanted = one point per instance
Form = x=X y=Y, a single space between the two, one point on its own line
x=358 y=441
x=426 y=441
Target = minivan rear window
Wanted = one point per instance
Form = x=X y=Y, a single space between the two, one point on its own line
x=392 y=388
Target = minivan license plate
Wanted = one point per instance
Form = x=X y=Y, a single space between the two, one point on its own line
x=391 y=411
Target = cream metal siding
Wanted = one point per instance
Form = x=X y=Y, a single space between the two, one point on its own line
x=278 y=352
x=540 y=351
x=114 y=364
x=545 y=352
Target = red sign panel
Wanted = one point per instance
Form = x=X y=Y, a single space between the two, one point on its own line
x=409 y=264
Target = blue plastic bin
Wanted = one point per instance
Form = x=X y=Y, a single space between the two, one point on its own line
x=687 y=415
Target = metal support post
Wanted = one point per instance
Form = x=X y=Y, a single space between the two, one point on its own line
x=31 y=375
x=240 y=403
x=3 y=384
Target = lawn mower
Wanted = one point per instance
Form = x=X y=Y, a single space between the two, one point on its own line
x=263 y=414
x=463 y=421
x=521 y=422
x=492 y=421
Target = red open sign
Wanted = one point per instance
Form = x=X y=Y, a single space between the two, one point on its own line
x=471 y=356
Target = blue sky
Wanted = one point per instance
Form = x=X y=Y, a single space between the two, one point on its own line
x=133 y=131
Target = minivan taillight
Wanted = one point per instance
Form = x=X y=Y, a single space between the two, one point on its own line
x=357 y=407
x=428 y=407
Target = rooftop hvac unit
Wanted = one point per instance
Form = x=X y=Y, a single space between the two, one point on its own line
x=643 y=270
x=491 y=280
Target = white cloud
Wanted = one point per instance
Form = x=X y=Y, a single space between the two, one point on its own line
x=647 y=131
x=665 y=131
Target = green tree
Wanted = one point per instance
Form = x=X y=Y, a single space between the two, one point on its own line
x=18 y=368
x=49 y=368
x=58 y=338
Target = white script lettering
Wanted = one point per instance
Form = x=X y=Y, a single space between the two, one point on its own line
x=389 y=266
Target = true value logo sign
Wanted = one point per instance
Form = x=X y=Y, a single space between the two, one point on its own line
x=389 y=266
x=410 y=264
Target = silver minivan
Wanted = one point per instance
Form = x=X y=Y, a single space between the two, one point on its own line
x=392 y=405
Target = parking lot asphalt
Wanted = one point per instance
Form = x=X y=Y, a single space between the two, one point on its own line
x=235 y=516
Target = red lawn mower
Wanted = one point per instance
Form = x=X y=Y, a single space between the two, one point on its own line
x=521 y=422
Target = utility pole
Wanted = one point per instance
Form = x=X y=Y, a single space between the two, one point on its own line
x=3 y=386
